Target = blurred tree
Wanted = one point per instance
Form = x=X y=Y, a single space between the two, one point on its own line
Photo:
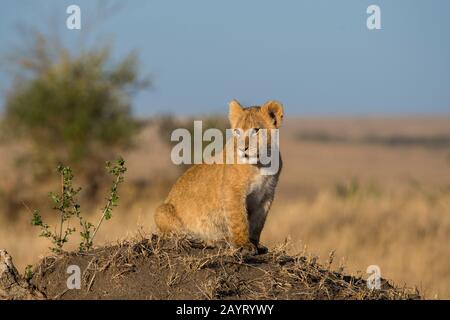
x=75 y=109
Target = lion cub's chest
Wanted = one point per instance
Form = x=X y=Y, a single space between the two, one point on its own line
x=260 y=187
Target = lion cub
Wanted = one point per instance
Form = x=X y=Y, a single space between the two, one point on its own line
x=226 y=201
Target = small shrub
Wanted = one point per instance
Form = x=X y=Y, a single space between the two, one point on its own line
x=67 y=207
x=348 y=190
x=71 y=107
x=354 y=189
x=28 y=274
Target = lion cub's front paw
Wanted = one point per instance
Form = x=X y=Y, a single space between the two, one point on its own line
x=248 y=249
x=262 y=249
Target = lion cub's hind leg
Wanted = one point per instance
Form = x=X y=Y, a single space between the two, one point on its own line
x=166 y=219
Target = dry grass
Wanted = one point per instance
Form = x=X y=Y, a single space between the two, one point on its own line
x=371 y=204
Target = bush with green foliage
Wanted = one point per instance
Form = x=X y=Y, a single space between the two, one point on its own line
x=73 y=107
x=67 y=207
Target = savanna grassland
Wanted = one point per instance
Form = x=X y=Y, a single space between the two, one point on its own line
x=376 y=191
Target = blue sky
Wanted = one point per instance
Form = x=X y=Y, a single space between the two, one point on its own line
x=315 y=56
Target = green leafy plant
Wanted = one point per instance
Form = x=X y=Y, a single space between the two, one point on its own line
x=88 y=229
x=28 y=274
x=67 y=207
x=71 y=107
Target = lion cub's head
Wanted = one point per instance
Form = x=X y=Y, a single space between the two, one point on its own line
x=247 y=124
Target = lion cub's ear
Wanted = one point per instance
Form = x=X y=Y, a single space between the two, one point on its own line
x=235 y=112
x=274 y=110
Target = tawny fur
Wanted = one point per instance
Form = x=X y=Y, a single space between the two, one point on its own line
x=225 y=201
